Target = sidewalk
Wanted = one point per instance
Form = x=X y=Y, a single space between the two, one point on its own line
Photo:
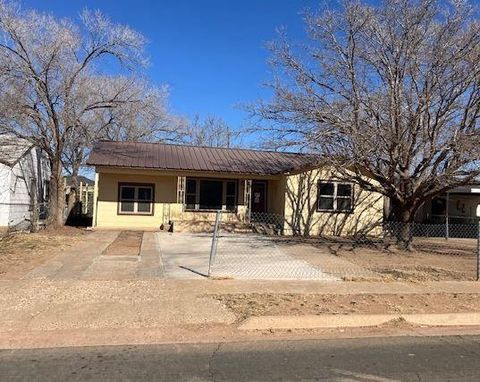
x=39 y=310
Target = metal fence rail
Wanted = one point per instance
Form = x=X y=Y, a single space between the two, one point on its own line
x=267 y=250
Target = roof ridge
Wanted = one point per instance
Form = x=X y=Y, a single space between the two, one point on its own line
x=198 y=158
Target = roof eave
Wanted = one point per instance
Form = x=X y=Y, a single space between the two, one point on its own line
x=187 y=170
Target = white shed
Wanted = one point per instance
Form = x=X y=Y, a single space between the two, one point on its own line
x=24 y=182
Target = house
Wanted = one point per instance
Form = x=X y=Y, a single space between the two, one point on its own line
x=24 y=182
x=145 y=185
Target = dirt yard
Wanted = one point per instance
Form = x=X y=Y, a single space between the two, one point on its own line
x=128 y=243
x=253 y=304
x=432 y=259
x=21 y=252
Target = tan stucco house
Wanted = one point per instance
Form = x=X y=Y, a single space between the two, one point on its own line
x=146 y=185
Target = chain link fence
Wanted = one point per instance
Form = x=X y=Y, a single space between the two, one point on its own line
x=265 y=249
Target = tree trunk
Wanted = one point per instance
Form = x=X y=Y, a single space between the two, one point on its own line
x=74 y=195
x=401 y=221
x=57 y=197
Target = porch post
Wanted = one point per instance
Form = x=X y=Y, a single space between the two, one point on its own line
x=447 y=232
x=85 y=208
x=181 y=180
x=247 y=199
x=95 y=199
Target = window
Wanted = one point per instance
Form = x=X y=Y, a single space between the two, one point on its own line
x=210 y=194
x=335 y=197
x=231 y=195
x=47 y=191
x=136 y=199
x=191 y=194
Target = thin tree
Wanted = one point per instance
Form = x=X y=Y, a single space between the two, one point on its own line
x=116 y=108
x=44 y=62
x=211 y=131
x=388 y=94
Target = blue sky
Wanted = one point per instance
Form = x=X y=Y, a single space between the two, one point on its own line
x=210 y=52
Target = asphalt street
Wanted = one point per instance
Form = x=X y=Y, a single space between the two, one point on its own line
x=454 y=358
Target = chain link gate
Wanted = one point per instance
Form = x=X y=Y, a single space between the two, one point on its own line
x=267 y=247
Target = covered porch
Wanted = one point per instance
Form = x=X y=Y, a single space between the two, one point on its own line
x=242 y=200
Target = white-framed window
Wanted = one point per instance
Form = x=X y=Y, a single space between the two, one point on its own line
x=210 y=194
x=135 y=199
x=335 y=196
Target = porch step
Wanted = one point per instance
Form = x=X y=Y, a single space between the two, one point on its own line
x=242 y=230
x=206 y=226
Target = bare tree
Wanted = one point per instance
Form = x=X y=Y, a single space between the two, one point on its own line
x=389 y=91
x=211 y=131
x=116 y=108
x=44 y=65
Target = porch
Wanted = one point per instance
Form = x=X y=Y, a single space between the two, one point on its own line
x=242 y=201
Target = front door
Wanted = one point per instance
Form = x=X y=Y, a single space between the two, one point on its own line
x=259 y=196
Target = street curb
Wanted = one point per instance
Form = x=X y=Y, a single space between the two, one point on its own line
x=356 y=320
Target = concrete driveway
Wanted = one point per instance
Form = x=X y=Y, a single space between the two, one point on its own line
x=239 y=256
x=186 y=256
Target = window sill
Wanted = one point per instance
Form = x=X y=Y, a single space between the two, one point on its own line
x=210 y=211
x=347 y=212
x=135 y=214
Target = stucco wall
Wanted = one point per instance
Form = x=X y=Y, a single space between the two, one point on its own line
x=165 y=206
x=296 y=195
x=302 y=217
x=276 y=196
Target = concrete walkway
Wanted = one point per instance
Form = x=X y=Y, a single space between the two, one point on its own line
x=184 y=255
x=38 y=311
x=87 y=262
x=41 y=303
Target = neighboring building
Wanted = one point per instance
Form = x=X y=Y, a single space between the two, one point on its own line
x=24 y=182
x=458 y=206
x=85 y=189
x=145 y=185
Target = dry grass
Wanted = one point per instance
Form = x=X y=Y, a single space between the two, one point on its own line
x=21 y=252
x=432 y=259
x=269 y=304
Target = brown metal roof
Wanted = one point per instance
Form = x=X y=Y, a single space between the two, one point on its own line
x=194 y=158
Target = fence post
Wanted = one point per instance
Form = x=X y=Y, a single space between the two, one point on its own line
x=213 y=248
x=478 y=252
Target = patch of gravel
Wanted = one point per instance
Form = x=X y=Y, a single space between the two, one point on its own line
x=127 y=243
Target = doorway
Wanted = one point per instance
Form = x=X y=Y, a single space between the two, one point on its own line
x=259 y=196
